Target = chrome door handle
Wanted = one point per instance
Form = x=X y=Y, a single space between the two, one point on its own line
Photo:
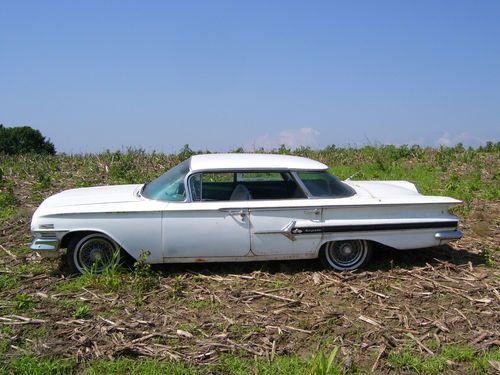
x=315 y=211
x=242 y=213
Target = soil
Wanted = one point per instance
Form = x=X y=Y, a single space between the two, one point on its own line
x=424 y=299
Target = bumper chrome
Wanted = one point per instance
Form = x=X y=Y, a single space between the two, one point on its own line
x=449 y=235
x=47 y=247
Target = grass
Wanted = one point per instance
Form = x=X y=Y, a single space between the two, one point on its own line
x=466 y=174
x=326 y=364
x=9 y=281
x=481 y=363
x=24 y=302
x=320 y=364
x=406 y=359
x=202 y=304
x=488 y=252
x=472 y=175
x=31 y=365
x=133 y=367
x=478 y=361
x=227 y=365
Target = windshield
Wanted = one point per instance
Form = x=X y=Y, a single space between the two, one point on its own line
x=169 y=186
x=323 y=184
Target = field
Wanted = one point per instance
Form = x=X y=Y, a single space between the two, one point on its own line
x=420 y=311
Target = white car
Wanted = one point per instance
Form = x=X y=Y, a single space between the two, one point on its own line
x=241 y=207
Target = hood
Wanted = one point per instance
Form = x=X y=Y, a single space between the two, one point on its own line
x=384 y=189
x=94 y=195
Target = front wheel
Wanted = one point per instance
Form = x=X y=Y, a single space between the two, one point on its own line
x=346 y=255
x=92 y=253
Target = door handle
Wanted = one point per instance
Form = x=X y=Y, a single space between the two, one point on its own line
x=315 y=211
x=242 y=213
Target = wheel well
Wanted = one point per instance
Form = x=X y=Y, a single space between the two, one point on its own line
x=370 y=243
x=69 y=236
x=82 y=233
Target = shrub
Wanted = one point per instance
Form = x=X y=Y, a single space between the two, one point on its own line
x=24 y=140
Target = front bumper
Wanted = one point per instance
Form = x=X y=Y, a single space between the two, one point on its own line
x=46 y=247
x=448 y=236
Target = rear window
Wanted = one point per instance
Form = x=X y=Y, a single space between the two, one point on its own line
x=322 y=184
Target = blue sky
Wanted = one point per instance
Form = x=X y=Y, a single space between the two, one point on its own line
x=93 y=75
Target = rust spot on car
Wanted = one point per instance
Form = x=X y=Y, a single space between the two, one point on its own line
x=200 y=260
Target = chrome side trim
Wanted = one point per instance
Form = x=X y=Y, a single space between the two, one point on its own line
x=290 y=230
x=50 y=230
x=449 y=235
x=332 y=206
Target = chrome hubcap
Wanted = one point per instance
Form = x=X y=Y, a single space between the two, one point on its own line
x=95 y=254
x=346 y=253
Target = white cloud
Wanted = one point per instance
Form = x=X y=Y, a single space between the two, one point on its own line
x=450 y=140
x=292 y=138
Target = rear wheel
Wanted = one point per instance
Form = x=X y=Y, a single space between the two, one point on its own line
x=346 y=255
x=92 y=253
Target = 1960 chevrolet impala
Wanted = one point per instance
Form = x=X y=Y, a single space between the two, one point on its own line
x=241 y=207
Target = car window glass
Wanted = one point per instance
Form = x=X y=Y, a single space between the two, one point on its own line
x=223 y=186
x=323 y=184
x=259 y=176
x=169 y=186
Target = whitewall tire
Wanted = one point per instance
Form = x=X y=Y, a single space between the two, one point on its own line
x=346 y=255
x=92 y=253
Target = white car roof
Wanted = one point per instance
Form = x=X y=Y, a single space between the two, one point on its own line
x=240 y=162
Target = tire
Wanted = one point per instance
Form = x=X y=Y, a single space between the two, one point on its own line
x=346 y=255
x=92 y=253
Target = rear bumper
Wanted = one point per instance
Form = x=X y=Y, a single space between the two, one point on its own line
x=46 y=247
x=448 y=236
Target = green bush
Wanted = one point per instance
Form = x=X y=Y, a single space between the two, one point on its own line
x=24 y=140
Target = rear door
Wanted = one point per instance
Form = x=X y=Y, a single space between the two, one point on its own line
x=278 y=205
x=272 y=230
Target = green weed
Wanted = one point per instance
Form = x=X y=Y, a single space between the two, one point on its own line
x=9 y=281
x=24 y=301
x=488 y=253
x=203 y=305
x=276 y=284
x=82 y=312
x=143 y=278
x=324 y=364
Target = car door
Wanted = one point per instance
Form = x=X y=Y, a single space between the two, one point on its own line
x=272 y=229
x=211 y=225
x=278 y=206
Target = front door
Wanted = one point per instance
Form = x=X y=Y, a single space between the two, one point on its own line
x=205 y=229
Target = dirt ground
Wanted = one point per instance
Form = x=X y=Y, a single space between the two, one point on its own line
x=420 y=299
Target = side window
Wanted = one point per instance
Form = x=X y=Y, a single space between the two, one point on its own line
x=259 y=176
x=244 y=186
x=212 y=186
x=323 y=184
x=271 y=185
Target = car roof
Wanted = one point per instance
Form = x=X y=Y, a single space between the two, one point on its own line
x=242 y=162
